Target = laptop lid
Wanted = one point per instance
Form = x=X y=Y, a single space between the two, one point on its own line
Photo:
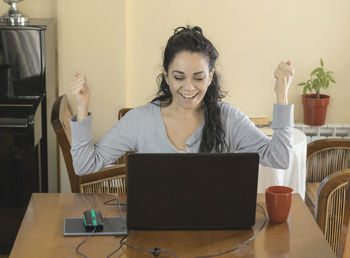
x=191 y=191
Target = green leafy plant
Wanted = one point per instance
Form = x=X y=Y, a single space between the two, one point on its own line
x=319 y=78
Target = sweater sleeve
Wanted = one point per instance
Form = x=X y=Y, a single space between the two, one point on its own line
x=246 y=137
x=89 y=157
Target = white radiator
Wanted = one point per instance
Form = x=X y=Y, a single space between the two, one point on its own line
x=314 y=133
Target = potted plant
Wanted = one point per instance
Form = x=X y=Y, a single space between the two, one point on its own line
x=315 y=104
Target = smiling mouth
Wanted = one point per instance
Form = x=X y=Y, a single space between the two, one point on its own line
x=189 y=96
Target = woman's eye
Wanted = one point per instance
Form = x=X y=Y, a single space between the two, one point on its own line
x=199 y=79
x=179 y=78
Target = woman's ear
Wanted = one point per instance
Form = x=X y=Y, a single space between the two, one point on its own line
x=166 y=77
x=165 y=74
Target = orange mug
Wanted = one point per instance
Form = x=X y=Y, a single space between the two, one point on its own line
x=278 y=202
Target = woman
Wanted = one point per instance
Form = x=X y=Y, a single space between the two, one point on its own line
x=187 y=114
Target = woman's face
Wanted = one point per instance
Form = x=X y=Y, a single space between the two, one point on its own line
x=188 y=79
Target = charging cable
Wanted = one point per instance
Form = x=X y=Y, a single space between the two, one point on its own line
x=82 y=242
x=244 y=243
x=157 y=251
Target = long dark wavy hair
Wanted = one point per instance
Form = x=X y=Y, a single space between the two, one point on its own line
x=192 y=39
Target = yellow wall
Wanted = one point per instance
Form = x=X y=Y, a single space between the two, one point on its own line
x=252 y=37
x=91 y=37
x=119 y=44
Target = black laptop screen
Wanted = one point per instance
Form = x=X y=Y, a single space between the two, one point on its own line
x=191 y=191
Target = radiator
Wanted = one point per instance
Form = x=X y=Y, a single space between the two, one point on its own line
x=331 y=130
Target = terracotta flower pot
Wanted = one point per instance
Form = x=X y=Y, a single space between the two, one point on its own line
x=315 y=109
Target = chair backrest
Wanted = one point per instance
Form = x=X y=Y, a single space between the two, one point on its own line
x=122 y=112
x=325 y=157
x=344 y=245
x=60 y=116
x=330 y=204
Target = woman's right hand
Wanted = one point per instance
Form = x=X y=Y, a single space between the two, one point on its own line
x=81 y=92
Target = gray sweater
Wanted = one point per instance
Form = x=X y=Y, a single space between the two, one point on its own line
x=142 y=130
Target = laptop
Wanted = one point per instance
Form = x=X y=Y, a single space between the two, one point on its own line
x=191 y=191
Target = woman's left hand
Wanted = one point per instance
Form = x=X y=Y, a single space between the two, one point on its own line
x=284 y=74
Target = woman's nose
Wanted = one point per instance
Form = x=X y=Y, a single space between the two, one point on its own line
x=188 y=85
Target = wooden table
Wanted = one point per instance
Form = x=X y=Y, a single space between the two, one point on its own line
x=41 y=233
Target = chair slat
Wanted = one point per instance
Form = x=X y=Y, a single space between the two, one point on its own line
x=325 y=162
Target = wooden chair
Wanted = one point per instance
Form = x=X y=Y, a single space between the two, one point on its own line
x=344 y=245
x=327 y=174
x=121 y=113
x=108 y=180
